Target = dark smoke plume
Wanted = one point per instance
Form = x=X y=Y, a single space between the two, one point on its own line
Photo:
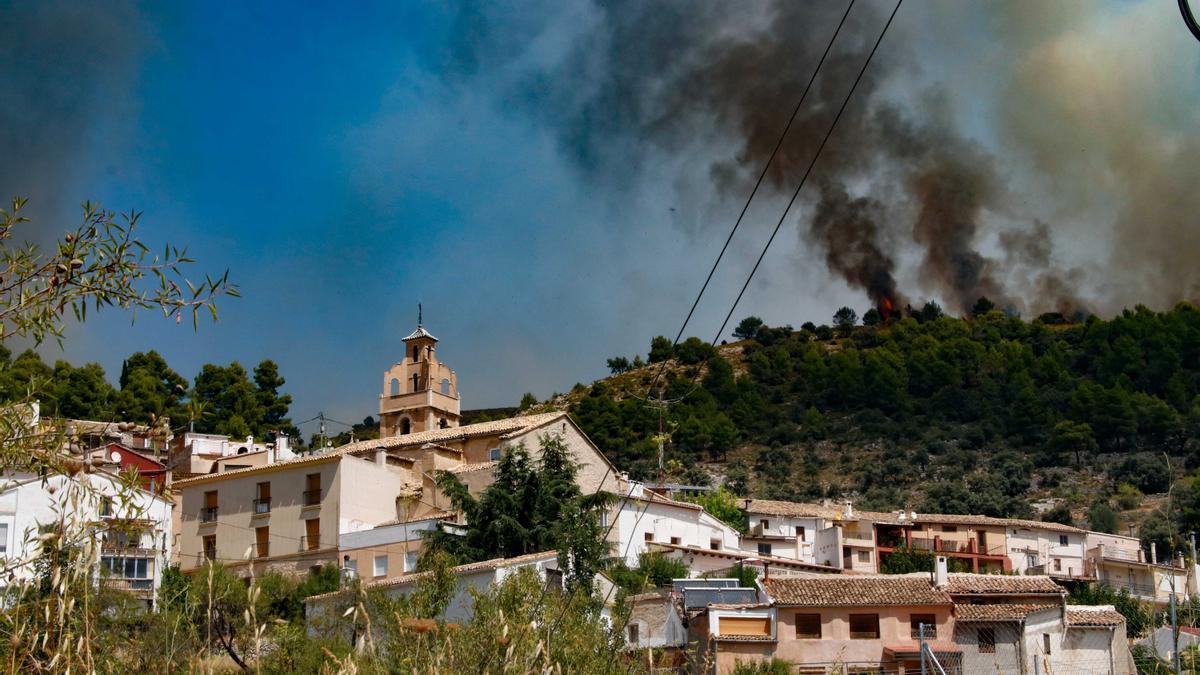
x=713 y=82
x=66 y=70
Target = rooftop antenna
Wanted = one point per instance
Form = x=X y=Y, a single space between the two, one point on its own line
x=420 y=314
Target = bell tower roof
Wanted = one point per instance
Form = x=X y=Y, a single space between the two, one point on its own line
x=420 y=332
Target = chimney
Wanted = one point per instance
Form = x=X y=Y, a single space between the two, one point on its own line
x=1153 y=554
x=941 y=572
x=848 y=510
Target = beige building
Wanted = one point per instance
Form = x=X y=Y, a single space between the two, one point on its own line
x=295 y=514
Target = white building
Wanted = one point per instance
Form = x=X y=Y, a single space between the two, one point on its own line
x=130 y=526
x=820 y=534
x=645 y=518
x=199 y=453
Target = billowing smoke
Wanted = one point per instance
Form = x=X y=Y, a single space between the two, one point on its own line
x=66 y=73
x=715 y=81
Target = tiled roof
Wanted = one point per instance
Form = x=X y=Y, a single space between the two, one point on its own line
x=435 y=515
x=997 y=612
x=494 y=563
x=505 y=427
x=649 y=595
x=772 y=507
x=1001 y=584
x=420 y=332
x=847 y=591
x=470 y=468
x=1103 y=615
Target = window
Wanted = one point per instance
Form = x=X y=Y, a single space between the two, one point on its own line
x=847 y=559
x=1057 y=565
x=410 y=561
x=381 y=565
x=210 y=547
x=416 y=381
x=262 y=541
x=125 y=568
x=764 y=549
x=800 y=532
x=351 y=566
x=262 y=503
x=808 y=626
x=312 y=534
x=209 y=513
x=986 y=637
x=631 y=633
x=394 y=387
x=1030 y=560
x=602 y=518
x=764 y=524
x=106 y=507
x=864 y=556
x=445 y=386
x=864 y=626
x=405 y=426
x=416 y=354
x=3 y=538
x=649 y=536
x=714 y=544
x=915 y=621
x=1062 y=540
x=494 y=454
x=1046 y=643
x=675 y=540
x=554 y=579
x=949 y=528
x=312 y=489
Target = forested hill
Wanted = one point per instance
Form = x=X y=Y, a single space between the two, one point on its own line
x=983 y=414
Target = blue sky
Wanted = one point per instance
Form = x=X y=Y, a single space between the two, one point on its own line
x=336 y=158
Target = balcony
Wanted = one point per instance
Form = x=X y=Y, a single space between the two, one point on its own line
x=208 y=514
x=312 y=497
x=262 y=506
x=129 y=585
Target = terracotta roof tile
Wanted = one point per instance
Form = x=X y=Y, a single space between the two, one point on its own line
x=1081 y=616
x=1001 y=612
x=746 y=555
x=1000 y=584
x=846 y=591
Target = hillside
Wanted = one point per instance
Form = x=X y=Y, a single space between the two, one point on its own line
x=987 y=414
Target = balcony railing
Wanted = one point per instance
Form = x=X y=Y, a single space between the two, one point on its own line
x=208 y=514
x=122 y=584
x=308 y=543
x=312 y=497
x=262 y=505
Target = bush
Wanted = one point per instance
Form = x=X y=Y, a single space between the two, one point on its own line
x=1128 y=497
x=773 y=666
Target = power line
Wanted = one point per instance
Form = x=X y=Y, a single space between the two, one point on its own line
x=762 y=175
x=808 y=171
x=800 y=185
x=758 y=183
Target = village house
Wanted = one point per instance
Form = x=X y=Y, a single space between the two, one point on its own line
x=1023 y=624
x=822 y=534
x=1122 y=563
x=822 y=623
x=194 y=454
x=131 y=527
x=645 y=518
x=707 y=561
x=153 y=475
x=325 y=614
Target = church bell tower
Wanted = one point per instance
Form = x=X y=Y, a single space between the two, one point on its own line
x=420 y=393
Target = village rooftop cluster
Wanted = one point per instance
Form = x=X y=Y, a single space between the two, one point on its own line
x=819 y=598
